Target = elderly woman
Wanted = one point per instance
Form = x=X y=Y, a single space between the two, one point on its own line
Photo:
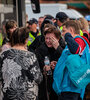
x=52 y=47
x=19 y=70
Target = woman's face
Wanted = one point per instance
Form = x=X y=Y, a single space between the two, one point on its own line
x=48 y=39
x=11 y=30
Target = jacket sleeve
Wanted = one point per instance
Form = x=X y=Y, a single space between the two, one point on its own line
x=40 y=58
x=60 y=47
x=59 y=50
x=72 y=44
x=35 y=70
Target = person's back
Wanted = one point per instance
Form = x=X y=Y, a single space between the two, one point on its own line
x=19 y=73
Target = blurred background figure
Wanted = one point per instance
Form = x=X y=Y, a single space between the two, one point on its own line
x=40 y=20
x=10 y=26
x=47 y=19
x=19 y=70
x=1 y=38
x=61 y=18
x=3 y=34
x=50 y=17
x=84 y=26
x=87 y=17
x=26 y=20
x=34 y=32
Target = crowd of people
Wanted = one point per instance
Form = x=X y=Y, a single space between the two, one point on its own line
x=23 y=71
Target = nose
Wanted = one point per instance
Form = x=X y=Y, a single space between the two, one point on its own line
x=48 y=39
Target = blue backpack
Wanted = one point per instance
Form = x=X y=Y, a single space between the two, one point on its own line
x=58 y=71
x=76 y=65
x=79 y=67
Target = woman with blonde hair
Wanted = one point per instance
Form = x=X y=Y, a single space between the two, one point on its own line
x=84 y=26
x=84 y=23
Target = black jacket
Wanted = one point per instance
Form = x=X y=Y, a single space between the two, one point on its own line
x=36 y=43
x=53 y=54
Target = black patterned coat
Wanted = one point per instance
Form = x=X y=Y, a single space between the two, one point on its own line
x=19 y=75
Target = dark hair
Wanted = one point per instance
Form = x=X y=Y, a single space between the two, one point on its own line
x=46 y=21
x=74 y=25
x=19 y=36
x=62 y=17
x=49 y=17
x=9 y=25
x=63 y=20
x=52 y=29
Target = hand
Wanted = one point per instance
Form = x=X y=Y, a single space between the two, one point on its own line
x=55 y=42
x=53 y=64
x=46 y=68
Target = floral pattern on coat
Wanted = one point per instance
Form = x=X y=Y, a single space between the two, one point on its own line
x=19 y=74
